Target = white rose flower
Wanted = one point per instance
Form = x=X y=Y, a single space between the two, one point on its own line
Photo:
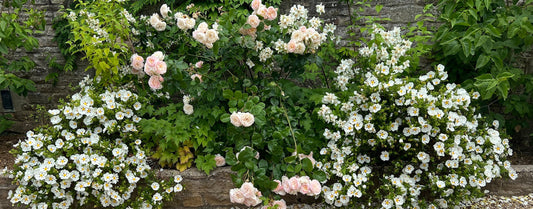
x=235 y=119
x=188 y=109
x=247 y=119
x=160 y=26
x=164 y=10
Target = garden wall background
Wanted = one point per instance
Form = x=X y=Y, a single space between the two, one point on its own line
x=206 y=191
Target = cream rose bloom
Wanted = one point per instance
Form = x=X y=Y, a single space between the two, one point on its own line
x=160 y=26
x=253 y=20
x=256 y=4
x=188 y=109
x=300 y=48
x=247 y=119
x=161 y=67
x=271 y=13
x=211 y=36
x=235 y=119
x=291 y=46
x=164 y=10
x=159 y=55
x=154 y=19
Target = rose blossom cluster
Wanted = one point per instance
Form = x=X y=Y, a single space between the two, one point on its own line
x=247 y=195
x=239 y=119
x=205 y=35
x=296 y=184
x=184 y=22
x=254 y=20
x=154 y=67
x=157 y=23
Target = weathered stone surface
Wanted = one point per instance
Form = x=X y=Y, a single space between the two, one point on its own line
x=212 y=191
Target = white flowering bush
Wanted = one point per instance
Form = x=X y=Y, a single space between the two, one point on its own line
x=92 y=154
x=396 y=141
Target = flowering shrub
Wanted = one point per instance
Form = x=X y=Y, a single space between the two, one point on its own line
x=91 y=155
x=234 y=79
x=401 y=141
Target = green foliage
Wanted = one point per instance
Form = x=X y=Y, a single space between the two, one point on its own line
x=480 y=40
x=100 y=30
x=17 y=33
x=5 y=122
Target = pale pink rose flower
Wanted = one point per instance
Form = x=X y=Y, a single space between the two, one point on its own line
x=303 y=29
x=235 y=119
x=256 y=4
x=252 y=201
x=236 y=196
x=188 y=109
x=209 y=45
x=160 y=67
x=159 y=55
x=279 y=189
x=199 y=64
x=294 y=185
x=164 y=10
x=262 y=11
x=253 y=20
x=194 y=76
x=315 y=186
x=305 y=187
x=248 y=190
x=219 y=160
x=137 y=62
x=271 y=13
x=150 y=66
x=291 y=46
x=247 y=119
x=155 y=82
x=280 y=203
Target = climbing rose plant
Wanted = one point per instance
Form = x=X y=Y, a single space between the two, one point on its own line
x=404 y=141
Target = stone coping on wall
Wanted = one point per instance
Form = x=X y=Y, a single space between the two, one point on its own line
x=212 y=191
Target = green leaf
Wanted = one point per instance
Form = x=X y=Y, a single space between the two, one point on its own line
x=227 y=94
x=290 y=159
x=378 y=8
x=307 y=165
x=482 y=60
x=225 y=117
x=319 y=175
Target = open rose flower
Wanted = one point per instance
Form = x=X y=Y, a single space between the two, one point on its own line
x=188 y=109
x=253 y=21
x=256 y=4
x=160 y=67
x=247 y=119
x=271 y=13
x=137 y=62
x=235 y=119
x=155 y=82
x=164 y=10
x=219 y=160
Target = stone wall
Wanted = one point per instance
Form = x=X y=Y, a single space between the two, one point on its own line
x=212 y=191
x=47 y=94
